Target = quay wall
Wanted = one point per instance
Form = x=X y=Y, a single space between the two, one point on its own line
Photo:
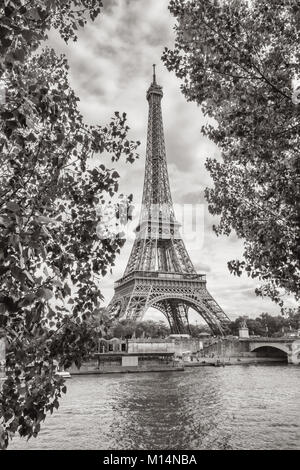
x=229 y=347
x=126 y=362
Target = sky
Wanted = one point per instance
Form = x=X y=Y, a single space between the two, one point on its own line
x=110 y=70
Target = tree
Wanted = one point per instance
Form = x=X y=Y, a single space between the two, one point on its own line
x=238 y=60
x=123 y=328
x=293 y=318
x=267 y=325
x=153 y=329
x=127 y=328
x=51 y=257
x=196 y=330
x=149 y=328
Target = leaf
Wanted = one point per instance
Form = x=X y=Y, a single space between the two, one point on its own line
x=44 y=220
x=29 y=277
x=28 y=300
x=67 y=289
x=18 y=273
x=13 y=206
x=44 y=293
x=5 y=221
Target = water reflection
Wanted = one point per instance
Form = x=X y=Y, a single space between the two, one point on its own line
x=236 y=407
x=167 y=412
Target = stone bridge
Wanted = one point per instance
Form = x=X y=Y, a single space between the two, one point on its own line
x=289 y=346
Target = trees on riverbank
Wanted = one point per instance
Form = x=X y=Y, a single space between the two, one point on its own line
x=268 y=325
x=149 y=329
x=263 y=325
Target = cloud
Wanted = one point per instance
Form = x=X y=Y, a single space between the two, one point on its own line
x=111 y=69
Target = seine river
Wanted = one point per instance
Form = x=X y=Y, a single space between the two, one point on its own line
x=236 y=407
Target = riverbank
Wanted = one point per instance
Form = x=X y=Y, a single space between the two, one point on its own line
x=123 y=370
x=231 y=361
x=91 y=368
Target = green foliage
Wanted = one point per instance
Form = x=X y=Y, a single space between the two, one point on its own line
x=50 y=255
x=237 y=60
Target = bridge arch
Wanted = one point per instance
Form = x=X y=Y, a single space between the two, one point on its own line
x=282 y=347
x=275 y=350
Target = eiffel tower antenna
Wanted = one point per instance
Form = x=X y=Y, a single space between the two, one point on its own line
x=159 y=272
x=154 y=76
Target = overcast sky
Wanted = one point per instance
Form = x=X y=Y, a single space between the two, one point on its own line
x=111 y=69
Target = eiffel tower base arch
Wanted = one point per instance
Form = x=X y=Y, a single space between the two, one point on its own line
x=173 y=297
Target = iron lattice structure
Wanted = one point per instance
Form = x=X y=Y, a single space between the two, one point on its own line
x=159 y=272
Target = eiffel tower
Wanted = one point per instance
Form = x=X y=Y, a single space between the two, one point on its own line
x=159 y=271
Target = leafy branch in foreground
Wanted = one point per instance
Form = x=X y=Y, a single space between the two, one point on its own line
x=50 y=189
x=238 y=60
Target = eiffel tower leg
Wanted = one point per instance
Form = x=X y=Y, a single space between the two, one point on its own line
x=163 y=309
x=177 y=323
x=180 y=317
x=185 y=310
x=212 y=313
x=176 y=315
x=136 y=308
x=115 y=307
x=132 y=304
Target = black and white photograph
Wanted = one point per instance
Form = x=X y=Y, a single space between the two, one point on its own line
x=149 y=228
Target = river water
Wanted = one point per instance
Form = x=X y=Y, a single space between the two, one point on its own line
x=236 y=407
